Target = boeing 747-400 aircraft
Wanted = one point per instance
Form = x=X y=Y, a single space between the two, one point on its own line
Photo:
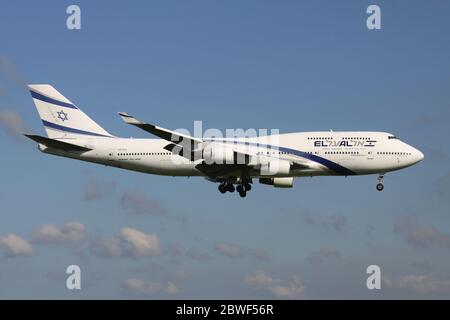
x=233 y=163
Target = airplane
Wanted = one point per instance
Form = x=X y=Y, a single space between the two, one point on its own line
x=232 y=162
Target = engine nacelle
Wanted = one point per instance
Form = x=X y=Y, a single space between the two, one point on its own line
x=218 y=154
x=275 y=167
x=287 y=182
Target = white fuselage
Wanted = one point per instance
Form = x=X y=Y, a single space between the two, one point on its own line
x=324 y=153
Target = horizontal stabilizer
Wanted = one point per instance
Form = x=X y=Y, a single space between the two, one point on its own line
x=56 y=144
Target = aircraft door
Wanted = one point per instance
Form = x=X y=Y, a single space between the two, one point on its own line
x=111 y=154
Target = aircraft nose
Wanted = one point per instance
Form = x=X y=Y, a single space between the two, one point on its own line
x=418 y=155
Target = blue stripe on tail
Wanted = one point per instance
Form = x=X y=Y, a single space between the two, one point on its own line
x=72 y=130
x=51 y=100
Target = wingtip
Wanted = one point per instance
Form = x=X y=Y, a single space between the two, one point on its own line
x=31 y=136
x=128 y=118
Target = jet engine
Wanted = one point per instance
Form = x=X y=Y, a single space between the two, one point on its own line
x=287 y=182
x=275 y=167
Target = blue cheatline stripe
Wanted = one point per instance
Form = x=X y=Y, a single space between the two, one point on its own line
x=67 y=129
x=329 y=164
x=340 y=170
x=51 y=100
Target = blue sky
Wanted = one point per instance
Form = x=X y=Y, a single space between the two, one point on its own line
x=291 y=65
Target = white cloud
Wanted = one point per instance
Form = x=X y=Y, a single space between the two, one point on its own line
x=178 y=250
x=325 y=253
x=259 y=278
x=12 y=123
x=288 y=290
x=134 y=284
x=236 y=251
x=139 y=286
x=141 y=244
x=70 y=233
x=96 y=190
x=418 y=235
x=128 y=242
x=108 y=247
x=16 y=246
x=197 y=255
x=336 y=221
x=229 y=250
x=171 y=288
x=11 y=72
x=422 y=284
x=136 y=202
x=292 y=290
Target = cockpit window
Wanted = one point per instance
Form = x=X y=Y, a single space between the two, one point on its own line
x=392 y=137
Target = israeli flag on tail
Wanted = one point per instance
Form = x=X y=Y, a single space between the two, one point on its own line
x=61 y=118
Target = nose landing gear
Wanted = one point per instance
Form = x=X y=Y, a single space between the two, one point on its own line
x=380 y=185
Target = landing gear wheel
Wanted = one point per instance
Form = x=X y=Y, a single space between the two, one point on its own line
x=230 y=188
x=222 y=188
x=242 y=193
x=247 y=187
x=240 y=188
x=380 y=185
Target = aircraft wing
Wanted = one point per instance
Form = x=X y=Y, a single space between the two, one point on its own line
x=169 y=135
x=191 y=148
x=56 y=144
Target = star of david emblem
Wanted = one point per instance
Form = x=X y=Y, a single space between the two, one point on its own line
x=62 y=115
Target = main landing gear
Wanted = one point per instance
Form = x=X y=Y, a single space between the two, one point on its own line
x=242 y=188
x=224 y=187
x=380 y=185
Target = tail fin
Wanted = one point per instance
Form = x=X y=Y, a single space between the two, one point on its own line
x=61 y=118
